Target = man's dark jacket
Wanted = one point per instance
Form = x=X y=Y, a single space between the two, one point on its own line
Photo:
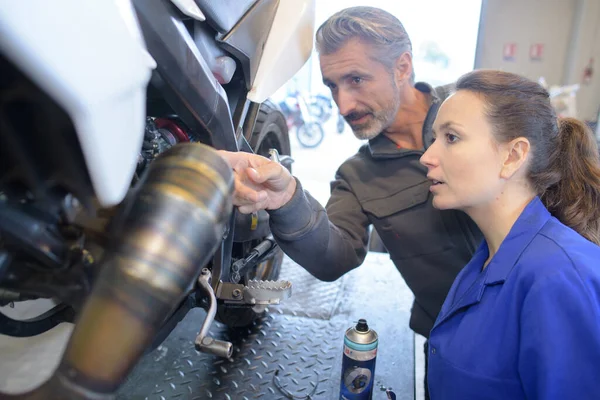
x=387 y=187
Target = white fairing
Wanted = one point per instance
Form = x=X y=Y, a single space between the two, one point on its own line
x=189 y=8
x=287 y=48
x=89 y=57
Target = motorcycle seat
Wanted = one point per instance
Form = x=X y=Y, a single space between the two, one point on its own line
x=222 y=15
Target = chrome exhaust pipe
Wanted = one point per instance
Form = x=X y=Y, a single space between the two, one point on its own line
x=164 y=233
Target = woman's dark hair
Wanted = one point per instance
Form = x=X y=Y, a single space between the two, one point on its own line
x=564 y=165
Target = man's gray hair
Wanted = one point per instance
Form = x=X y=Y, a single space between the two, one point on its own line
x=372 y=25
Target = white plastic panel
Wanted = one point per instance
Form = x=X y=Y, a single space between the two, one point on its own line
x=89 y=58
x=287 y=48
x=190 y=8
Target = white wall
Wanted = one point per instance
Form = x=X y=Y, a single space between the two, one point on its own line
x=568 y=29
x=587 y=45
x=526 y=22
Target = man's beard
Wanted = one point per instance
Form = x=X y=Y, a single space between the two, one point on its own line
x=376 y=122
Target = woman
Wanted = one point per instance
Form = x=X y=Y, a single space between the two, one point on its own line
x=522 y=319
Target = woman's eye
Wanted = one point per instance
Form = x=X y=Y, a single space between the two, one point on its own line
x=451 y=138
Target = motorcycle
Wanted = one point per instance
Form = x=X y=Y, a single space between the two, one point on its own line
x=114 y=201
x=321 y=107
x=309 y=130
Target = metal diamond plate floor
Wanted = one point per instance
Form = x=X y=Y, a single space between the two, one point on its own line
x=298 y=344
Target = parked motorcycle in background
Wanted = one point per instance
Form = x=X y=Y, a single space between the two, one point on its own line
x=322 y=108
x=298 y=115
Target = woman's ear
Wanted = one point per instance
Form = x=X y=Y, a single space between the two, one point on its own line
x=404 y=67
x=517 y=153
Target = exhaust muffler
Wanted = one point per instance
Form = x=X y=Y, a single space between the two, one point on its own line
x=164 y=233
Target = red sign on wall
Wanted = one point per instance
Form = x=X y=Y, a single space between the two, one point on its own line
x=509 y=52
x=536 y=51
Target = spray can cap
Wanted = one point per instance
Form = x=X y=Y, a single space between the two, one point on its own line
x=362 y=326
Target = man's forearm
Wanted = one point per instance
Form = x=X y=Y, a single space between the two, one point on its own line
x=303 y=231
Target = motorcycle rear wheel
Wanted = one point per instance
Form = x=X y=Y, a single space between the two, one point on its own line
x=310 y=135
x=270 y=131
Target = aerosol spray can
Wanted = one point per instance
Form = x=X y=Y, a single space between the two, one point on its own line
x=358 y=363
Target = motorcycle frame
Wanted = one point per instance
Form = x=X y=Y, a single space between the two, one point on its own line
x=203 y=106
x=185 y=80
x=221 y=115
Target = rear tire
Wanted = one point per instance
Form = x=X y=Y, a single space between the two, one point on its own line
x=310 y=135
x=270 y=131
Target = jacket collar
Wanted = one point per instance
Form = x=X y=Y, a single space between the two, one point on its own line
x=530 y=222
x=382 y=147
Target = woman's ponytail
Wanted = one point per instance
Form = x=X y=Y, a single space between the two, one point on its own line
x=575 y=198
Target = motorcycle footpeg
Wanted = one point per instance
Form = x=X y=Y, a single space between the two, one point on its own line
x=266 y=292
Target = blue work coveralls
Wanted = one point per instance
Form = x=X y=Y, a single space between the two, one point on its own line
x=528 y=325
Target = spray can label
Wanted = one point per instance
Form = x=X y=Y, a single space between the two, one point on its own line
x=358 y=368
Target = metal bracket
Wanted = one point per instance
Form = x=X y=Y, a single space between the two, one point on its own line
x=231 y=292
x=261 y=252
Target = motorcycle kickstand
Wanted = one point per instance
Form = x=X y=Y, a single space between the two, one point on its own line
x=203 y=342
